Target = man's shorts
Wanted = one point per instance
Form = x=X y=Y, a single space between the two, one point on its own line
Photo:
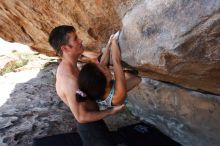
x=95 y=134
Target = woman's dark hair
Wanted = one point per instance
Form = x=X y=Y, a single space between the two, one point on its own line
x=92 y=82
x=59 y=37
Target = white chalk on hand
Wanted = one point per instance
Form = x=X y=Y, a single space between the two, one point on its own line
x=117 y=35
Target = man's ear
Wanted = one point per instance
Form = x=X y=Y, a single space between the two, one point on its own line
x=64 y=48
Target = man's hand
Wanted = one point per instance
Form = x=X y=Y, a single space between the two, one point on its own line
x=116 y=109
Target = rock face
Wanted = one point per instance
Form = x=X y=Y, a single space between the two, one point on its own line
x=33 y=108
x=175 y=41
x=189 y=117
x=31 y=21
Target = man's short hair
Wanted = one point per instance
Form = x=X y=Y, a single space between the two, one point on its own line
x=59 y=37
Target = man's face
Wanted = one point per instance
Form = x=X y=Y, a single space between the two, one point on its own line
x=75 y=44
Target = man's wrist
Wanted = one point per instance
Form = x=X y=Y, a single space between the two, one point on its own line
x=109 y=111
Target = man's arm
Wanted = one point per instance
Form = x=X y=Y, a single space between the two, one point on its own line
x=80 y=111
x=90 y=116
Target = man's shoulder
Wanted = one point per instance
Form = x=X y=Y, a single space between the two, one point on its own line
x=65 y=74
x=65 y=78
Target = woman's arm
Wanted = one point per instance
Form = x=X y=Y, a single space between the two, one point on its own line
x=106 y=53
x=120 y=82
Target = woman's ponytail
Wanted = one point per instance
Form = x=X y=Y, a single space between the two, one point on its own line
x=80 y=96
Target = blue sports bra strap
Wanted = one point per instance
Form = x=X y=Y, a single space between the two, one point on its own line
x=111 y=94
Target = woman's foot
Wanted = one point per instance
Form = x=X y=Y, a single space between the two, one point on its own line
x=131 y=71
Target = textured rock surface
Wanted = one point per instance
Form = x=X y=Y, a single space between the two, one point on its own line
x=30 y=21
x=175 y=41
x=189 y=117
x=32 y=109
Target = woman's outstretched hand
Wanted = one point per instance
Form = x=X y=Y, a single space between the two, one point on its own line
x=115 y=37
x=116 y=109
x=110 y=41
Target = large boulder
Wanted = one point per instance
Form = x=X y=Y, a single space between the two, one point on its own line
x=176 y=41
x=30 y=21
x=187 y=116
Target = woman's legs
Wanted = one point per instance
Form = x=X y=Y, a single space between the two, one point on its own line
x=131 y=80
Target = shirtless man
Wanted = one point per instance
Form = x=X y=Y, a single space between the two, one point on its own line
x=67 y=45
